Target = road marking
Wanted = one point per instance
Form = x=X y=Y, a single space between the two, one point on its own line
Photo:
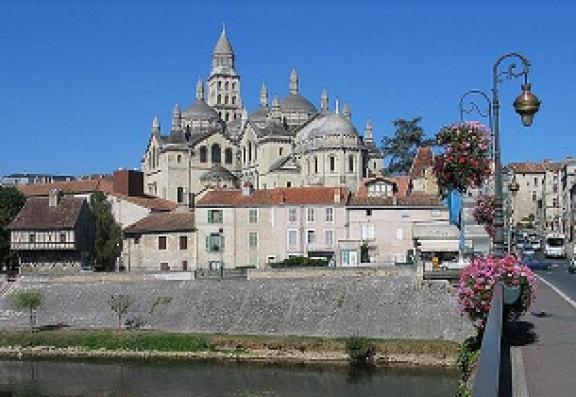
x=558 y=291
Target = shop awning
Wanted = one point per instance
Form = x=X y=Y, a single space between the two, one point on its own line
x=439 y=245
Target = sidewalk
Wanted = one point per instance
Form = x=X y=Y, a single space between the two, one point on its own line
x=550 y=360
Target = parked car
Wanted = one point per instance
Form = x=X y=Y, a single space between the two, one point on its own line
x=572 y=266
x=535 y=263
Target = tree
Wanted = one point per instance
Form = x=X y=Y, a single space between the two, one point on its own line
x=401 y=149
x=28 y=300
x=11 y=201
x=120 y=304
x=108 y=240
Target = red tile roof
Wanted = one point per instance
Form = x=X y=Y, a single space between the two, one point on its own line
x=38 y=215
x=404 y=184
x=163 y=222
x=424 y=159
x=270 y=197
x=89 y=186
x=414 y=200
x=535 y=168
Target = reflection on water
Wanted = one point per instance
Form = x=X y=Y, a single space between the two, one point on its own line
x=128 y=379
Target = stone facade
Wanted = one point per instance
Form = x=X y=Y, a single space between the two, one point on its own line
x=285 y=143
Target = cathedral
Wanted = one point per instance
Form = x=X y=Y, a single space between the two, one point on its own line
x=286 y=142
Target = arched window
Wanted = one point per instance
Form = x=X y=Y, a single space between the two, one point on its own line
x=315 y=165
x=203 y=154
x=233 y=100
x=350 y=163
x=332 y=161
x=226 y=85
x=244 y=154
x=249 y=151
x=227 y=116
x=219 y=99
x=180 y=195
x=219 y=84
x=228 y=156
x=280 y=151
x=233 y=85
x=225 y=99
x=216 y=154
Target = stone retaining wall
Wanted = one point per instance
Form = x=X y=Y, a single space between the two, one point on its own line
x=383 y=307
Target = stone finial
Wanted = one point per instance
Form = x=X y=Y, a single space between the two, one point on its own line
x=276 y=112
x=263 y=96
x=368 y=131
x=324 y=101
x=176 y=118
x=199 y=90
x=244 y=114
x=346 y=112
x=293 y=82
x=156 y=125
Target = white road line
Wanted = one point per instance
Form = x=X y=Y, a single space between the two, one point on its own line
x=555 y=289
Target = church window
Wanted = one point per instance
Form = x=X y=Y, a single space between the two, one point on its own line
x=280 y=151
x=249 y=151
x=332 y=160
x=228 y=156
x=244 y=154
x=350 y=163
x=233 y=85
x=225 y=99
x=233 y=100
x=179 y=159
x=227 y=117
x=315 y=165
x=234 y=116
x=219 y=84
x=203 y=154
x=226 y=85
x=219 y=100
x=180 y=195
x=216 y=154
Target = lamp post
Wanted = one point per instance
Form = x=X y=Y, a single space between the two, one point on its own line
x=526 y=105
x=513 y=188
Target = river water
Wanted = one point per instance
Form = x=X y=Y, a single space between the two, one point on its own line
x=128 y=379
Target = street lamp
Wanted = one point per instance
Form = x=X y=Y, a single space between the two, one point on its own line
x=513 y=188
x=526 y=105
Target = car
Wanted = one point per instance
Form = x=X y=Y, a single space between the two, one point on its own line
x=528 y=250
x=572 y=266
x=536 y=264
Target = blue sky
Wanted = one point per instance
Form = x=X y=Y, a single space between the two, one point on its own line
x=80 y=81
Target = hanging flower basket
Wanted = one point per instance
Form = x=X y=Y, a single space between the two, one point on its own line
x=477 y=282
x=465 y=162
x=484 y=212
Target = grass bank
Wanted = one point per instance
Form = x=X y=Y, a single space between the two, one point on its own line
x=149 y=344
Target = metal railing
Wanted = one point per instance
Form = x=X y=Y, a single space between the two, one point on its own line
x=487 y=382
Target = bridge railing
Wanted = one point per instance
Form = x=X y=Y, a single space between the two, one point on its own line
x=487 y=382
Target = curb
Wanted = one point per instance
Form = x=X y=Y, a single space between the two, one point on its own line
x=519 y=386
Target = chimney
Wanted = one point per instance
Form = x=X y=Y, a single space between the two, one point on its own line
x=129 y=182
x=247 y=189
x=336 y=195
x=54 y=197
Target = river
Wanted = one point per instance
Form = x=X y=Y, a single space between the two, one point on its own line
x=129 y=379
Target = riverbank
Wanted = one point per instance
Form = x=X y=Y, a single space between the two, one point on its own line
x=121 y=344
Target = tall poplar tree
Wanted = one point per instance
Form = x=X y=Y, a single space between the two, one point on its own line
x=11 y=201
x=108 y=239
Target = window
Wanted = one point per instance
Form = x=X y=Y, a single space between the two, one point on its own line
x=184 y=266
x=329 y=214
x=226 y=100
x=215 y=216
x=214 y=242
x=292 y=238
x=533 y=196
x=332 y=161
x=249 y=151
x=216 y=154
x=368 y=232
x=350 y=163
x=228 y=156
x=253 y=215
x=289 y=184
x=164 y=267
x=219 y=100
x=555 y=188
x=368 y=212
x=280 y=151
x=253 y=240
x=183 y=242
x=329 y=237
x=137 y=240
x=292 y=214
x=62 y=237
x=179 y=158
x=535 y=181
x=32 y=237
x=162 y=242
x=310 y=236
x=315 y=165
x=203 y=154
x=226 y=85
x=554 y=202
x=310 y=215
x=180 y=195
x=234 y=102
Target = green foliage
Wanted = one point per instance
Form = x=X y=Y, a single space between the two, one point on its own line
x=109 y=340
x=467 y=358
x=299 y=261
x=360 y=350
x=401 y=149
x=29 y=300
x=159 y=301
x=120 y=304
x=108 y=239
x=11 y=201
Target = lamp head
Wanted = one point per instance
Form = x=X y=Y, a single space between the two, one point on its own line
x=526 y=105
x=514 y=186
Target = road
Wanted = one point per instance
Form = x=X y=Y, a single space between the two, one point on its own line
x=549 y=359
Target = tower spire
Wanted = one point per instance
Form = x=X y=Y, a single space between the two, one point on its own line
x=156 y=125
x=324 y=101
x=199 y=90
x=293 y=82
x=368 y=132
x=176 y=118
x=346 y=111
x=263 y=96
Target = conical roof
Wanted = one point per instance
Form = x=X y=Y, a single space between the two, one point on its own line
x=223 y=46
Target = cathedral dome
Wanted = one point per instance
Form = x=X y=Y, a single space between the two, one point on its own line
x=201 y=111
x=259 y=116
x=331 y=131
x=298 y=104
